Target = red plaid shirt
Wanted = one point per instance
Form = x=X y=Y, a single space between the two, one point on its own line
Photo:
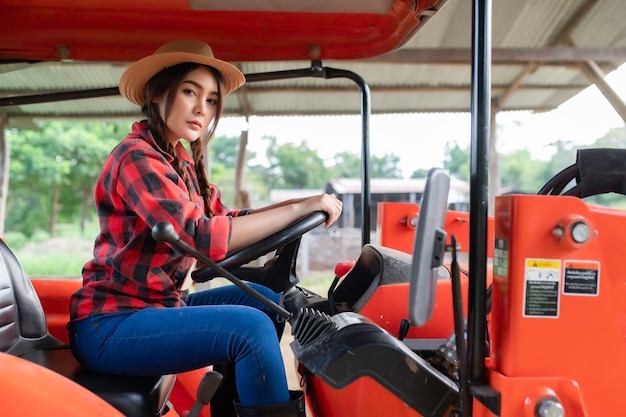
x=137 y=188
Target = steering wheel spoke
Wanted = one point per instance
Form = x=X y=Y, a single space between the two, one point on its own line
x=277 y=274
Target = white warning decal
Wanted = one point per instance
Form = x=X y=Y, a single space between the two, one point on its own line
x=542 y=278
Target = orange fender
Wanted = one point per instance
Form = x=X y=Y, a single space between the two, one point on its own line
x=31 y=390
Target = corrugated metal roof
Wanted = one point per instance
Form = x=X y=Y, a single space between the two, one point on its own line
x=429 y=73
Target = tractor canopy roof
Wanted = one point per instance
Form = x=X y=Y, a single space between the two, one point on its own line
x=237 y=30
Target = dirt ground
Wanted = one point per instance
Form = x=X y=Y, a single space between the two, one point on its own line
x=293 y=378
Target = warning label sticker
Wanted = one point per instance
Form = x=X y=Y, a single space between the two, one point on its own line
x=542 y=278
x=581 y=278
x=501 y=258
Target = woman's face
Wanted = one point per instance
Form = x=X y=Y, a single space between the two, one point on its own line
x=193 y=108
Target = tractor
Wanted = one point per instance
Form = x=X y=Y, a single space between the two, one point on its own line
x=450 y=314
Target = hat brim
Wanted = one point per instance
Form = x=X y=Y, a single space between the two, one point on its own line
x=134 y=79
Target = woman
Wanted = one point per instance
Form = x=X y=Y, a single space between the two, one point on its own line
x=130 y=317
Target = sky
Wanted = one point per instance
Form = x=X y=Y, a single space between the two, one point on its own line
x=420 y=139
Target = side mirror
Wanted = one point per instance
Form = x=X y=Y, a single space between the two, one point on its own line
x=429 y=247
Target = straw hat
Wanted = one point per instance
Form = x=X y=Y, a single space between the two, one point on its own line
x=134 y=79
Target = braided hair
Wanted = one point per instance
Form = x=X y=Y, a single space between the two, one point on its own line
x=166 y=82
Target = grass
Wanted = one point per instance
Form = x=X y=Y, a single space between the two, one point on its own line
x=70 y=263
x=317 y=281
x=53 y=264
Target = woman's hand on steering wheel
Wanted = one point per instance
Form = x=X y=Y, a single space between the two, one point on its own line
x=328 y=203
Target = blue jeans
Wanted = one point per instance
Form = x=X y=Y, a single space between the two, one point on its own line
x=218 y=325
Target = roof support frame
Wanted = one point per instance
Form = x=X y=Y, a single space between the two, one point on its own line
x=595 y=74
x=35 y=97
x=481 y=117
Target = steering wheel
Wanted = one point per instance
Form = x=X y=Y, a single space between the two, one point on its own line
x=277 y=274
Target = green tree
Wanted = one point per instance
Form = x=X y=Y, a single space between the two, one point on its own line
x=385 y=166
x=347 y=165
x=420 y=173
x=295 y=166
x=89 y=145
x=223 y=157
x=615 y=138
x=225 y=150
x=520 y=173
x=457 y=161
x=38 y=170
x=53 y=170
x=564 y=156
x=518 y=170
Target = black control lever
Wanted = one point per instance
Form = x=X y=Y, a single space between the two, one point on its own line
x=206 y=390
x=164 y=232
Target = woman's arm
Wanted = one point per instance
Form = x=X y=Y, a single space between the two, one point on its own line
x=261 y=223
x=279 y=204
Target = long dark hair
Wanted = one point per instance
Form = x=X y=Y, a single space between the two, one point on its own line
x=167 y=82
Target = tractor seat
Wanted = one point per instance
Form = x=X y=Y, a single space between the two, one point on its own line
x=24 y=333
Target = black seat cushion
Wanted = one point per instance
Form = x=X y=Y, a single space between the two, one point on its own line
x=133 y=396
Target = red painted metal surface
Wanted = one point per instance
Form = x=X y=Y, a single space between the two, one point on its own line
x=559 y=306
x=121 y=30
x=363 y=398
x=395 y=231
x=389 y=305
x=32 y=390
x=55 y=300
